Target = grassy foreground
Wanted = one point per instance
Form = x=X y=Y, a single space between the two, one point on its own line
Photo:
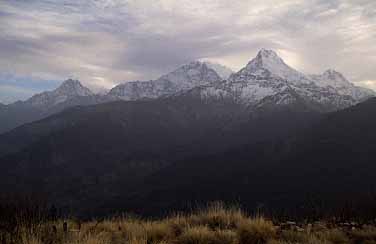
x=213 y=225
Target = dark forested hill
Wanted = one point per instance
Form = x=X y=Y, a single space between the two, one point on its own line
x=94 y=156
x=148 y=156
x=329 y=165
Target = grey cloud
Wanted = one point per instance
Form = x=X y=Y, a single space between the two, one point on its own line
x=104 y=42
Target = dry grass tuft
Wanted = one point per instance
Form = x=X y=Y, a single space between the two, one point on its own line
x=334 y=236
x=217 y=216
x=215 y=225
x=157 y=232
x=204 y=235
x=255 y=231
x=367 y=234
x=197 y=235
x=291 y=236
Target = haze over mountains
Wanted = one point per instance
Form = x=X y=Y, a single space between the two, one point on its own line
x=191 y=135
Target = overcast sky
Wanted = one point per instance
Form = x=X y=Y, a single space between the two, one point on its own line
x=105 y=42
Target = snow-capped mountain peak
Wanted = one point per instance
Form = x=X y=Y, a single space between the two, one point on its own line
x=334 y=79
x=72 y=87
x=267 y=79
x=331 y=78
x=193 y=74
x=268 y=63
x=68 y=89
x=267 y=59
x=269 y=56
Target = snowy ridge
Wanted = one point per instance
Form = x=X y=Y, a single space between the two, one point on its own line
x=268 y=78
x=184 y=78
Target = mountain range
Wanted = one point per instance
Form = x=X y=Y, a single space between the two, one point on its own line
x=267 y=134
x=265 y=81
